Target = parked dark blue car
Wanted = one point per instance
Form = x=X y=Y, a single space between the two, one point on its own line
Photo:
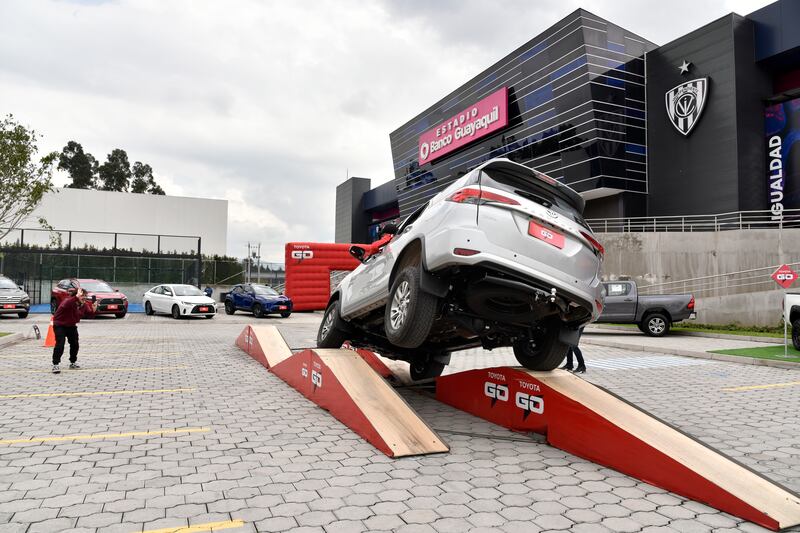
x=260 y=300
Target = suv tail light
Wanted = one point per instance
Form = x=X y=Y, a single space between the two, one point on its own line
x=691 y=303
x=596 y=245
x=475 y=196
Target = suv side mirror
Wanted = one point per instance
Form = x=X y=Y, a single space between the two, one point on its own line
x=357 y=252
x=389 y=229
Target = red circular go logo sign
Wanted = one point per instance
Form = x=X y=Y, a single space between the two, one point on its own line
x=784 y=276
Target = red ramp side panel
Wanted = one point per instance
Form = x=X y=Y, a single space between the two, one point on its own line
x=344 y=384
x=584 y=420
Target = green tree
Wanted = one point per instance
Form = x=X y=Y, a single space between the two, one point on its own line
x=115 y=173
x=81 y=166
x=143 y=180
x=24 y=180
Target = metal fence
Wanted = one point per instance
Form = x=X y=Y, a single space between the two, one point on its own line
x=739 y=220
x=742 y=281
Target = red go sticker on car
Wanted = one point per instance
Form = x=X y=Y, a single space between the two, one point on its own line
x=546 y=234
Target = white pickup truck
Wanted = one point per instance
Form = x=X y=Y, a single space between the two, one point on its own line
x=791 y=313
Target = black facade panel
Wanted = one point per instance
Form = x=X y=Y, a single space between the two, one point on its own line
x=753 y=85
x=775 y=29
x=698 y=173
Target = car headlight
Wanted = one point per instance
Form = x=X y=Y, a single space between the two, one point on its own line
x=25 y=300
x=187 y=303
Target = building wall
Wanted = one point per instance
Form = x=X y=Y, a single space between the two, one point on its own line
x=576 y=111
x=104 y=211
x=719 y=166
x=351 y=219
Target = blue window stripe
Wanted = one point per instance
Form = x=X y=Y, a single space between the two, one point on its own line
x=539 y=97
x=533 y=51
x=637 y=113
x=636 y=149
x=486 y=81
x=616 y=47
x=614 y=82
x=572 y=65
x=547 y=115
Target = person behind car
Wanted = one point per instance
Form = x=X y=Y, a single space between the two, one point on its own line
x=581 y=368
x=65 y=326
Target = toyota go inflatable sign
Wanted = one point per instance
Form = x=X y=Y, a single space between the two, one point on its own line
x=478 y=120
x=784 y=276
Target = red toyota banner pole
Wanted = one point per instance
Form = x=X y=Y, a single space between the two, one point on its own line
x=784 y=277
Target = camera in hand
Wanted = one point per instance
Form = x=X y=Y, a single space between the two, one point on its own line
x=94 y=298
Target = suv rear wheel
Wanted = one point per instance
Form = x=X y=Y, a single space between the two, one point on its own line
x=542 y=352
x=796 y=334
x=425 y=368
x=410 y=311
x=330 y=333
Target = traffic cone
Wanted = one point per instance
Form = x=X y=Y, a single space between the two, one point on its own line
x=50 y=340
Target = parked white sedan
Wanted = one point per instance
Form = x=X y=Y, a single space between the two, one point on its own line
x=178 y=301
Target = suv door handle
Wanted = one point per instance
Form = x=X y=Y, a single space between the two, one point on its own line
x=628 y=299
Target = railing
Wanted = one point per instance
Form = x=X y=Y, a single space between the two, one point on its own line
x=742 y=281
x=738 y=220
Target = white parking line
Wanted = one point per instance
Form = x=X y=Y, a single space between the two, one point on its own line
x=651 y=361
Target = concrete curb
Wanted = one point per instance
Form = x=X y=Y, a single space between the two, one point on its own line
x=767 y=340
x=14 y=338
x=692 y=353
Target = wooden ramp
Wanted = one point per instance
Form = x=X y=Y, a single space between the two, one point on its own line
x=592 y=423
x=346 y=385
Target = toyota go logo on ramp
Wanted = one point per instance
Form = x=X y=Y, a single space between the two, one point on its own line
x=302 y=254
x=685 y=104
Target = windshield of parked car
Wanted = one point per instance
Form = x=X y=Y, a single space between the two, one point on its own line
x=265 y=290
x=96 y=286
x=530 y=188
x=187 y=290
x=6 y=283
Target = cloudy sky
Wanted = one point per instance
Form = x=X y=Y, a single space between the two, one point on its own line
x=270 y=104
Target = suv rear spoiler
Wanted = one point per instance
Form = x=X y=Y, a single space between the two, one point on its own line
x=564 y=192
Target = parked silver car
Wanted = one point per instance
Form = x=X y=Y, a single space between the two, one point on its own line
x=501 y=257
x=13 y=300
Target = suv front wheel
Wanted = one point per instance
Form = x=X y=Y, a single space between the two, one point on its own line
x=331 y=333
x=409 y=311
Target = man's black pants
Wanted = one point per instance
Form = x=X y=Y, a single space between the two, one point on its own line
x=64 y=333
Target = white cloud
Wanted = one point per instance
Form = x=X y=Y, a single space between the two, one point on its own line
x=269 y=104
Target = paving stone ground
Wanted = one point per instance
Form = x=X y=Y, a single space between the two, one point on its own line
x=229 y=441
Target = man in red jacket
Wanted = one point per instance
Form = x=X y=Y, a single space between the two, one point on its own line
x=65 y=326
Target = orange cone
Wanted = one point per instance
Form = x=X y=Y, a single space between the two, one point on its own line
x=50 y=340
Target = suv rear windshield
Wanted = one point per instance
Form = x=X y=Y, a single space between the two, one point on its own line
x=534 y=190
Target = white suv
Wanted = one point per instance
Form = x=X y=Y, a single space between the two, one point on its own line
x=501 y=257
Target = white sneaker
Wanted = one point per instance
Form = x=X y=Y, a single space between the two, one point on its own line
x=56 y=370
x=74 y=366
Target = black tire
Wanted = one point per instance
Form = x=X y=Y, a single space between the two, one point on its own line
x=53 y=306
x=23 y=314
x=229 y=308
x=655 y=325
x=148 y=309
x=425 y=368
x=176 y=312
x=286 y=314
x=796 y=334
x=331 y=332
x=413 y=310
x=258 y=311
x=120 y=315
x=544 y=351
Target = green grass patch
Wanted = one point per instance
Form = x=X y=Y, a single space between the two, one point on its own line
x=766 y=352
x=4 y=334
x=727 y=329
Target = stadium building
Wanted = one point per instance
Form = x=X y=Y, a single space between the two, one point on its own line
x=704 y=124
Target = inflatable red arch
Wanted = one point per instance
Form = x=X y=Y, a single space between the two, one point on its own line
x=308 y=272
